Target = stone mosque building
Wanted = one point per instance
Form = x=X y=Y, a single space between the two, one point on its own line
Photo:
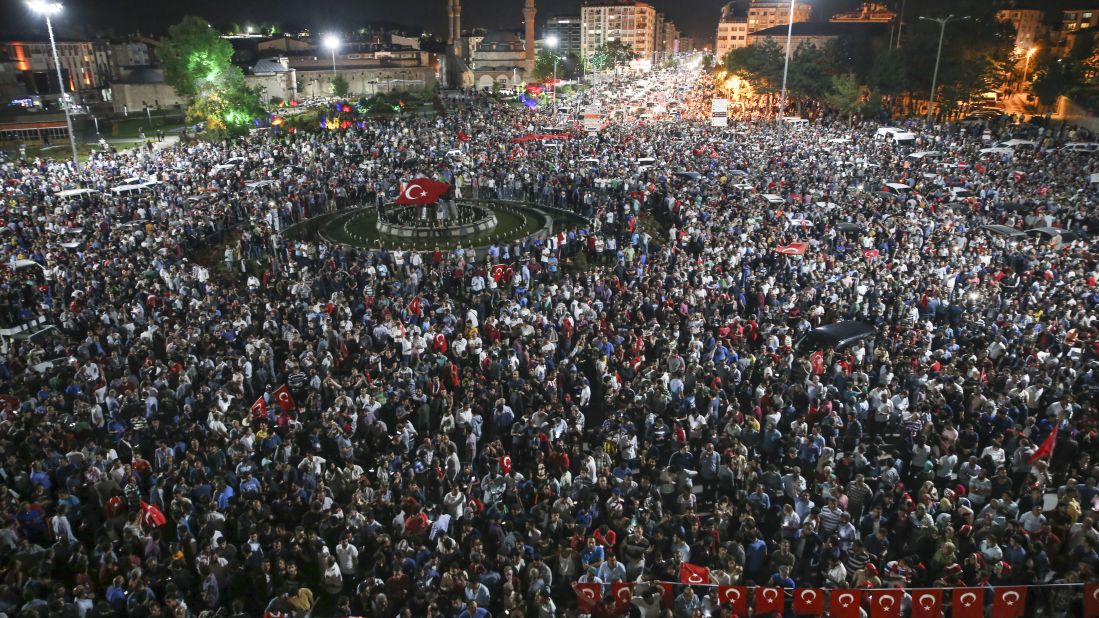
x=500 y=58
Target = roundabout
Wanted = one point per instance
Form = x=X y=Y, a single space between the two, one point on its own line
x=465 y=223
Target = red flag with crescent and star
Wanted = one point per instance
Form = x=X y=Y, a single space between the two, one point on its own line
x=421 y=191
x=967 y=603
x=259 y=408
x=927 y=603
x=693 y=574
x=623 y=594
x=588 y=594
x=415 y=308
x=768 y=600
x=501 y=272
x=1009 y=602
x=1091 y=601
x=284 y=398
x=809 y=601
x=845 y=603
x=734 y=596
x=886 y=603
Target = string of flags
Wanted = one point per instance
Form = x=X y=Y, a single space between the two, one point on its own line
x=964 y=602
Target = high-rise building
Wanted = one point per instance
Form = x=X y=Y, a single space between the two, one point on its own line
x=869 y=12
x=632 y=23
x=566 y=28
x=769 y=13
x=732 y=29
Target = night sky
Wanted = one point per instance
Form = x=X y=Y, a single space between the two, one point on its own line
x=695 y=17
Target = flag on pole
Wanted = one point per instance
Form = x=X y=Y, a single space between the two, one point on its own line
x=1046 y=449
x=284 y=398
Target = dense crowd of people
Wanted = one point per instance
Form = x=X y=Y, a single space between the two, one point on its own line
x=220 y=417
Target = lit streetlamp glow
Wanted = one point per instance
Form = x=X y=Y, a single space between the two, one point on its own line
x=48 y=9
x=332 y=42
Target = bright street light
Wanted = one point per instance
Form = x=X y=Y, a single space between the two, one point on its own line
x=551 y=40
x=1026 y=65
x=332 y=42
x=942 y=21
x=47 y=9
x=786 y=64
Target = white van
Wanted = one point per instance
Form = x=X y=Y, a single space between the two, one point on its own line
x=773 y=199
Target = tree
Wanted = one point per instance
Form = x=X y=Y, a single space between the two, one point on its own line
x=1056 y=77
x=196 y=64
x=846 y=95
x=193 y=53
x=340 y=87
x=759 y=64
x=543 y=65
x=617 y=53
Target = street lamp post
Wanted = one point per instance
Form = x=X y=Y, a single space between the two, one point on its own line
x=332 y=42
x=1026 y=66
x=786 y=64
x=47 y=9
x=551 y=41
x=942 y=21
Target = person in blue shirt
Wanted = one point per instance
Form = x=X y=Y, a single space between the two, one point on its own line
x=592 y=555
x=755 y=558
x=473 y=611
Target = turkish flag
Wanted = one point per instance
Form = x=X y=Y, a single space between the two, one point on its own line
x=1091 y=601
x=667 y=595
x=623 y=593
x=927 y=603
x=870 y=253
x=463 y=137
x=968 y=603
x=809 y=601
x=845 y=603
x=1046 y=449
x=886 y=603
x=768 y=600
x=734 y=596
x=440 y=343
x=501 y=272
x=414 y=307
x=588 y=594
x=259 y=408
x=1009 y=602
x=284 y=398
x=693 y=574
x=794 y=248
x=421 y=191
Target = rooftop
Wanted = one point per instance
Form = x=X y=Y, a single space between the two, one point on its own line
x=809 y=28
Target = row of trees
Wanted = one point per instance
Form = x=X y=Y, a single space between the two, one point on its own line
x=861 y=70
x=607 y=57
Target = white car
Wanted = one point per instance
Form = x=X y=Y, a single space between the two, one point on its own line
x=997 y=150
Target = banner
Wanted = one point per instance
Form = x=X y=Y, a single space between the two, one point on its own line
x=968 y=603
x=734 y=596
x=809 y=601
x=886 y=603
x=768 y=600
x=927 y=603
x=1009 y=602
x=845 y=603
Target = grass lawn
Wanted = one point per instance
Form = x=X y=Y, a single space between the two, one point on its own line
x=509 y=226
x=131 y=127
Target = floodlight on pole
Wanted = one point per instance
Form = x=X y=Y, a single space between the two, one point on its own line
x=48 y=9
x=786 y=63
x=942 y=21
x=332 y=42
x=1026 y=65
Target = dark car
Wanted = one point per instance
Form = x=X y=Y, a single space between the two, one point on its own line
x=838 y=335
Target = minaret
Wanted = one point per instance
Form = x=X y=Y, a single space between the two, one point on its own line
x=528 y=15
x=454 y=8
